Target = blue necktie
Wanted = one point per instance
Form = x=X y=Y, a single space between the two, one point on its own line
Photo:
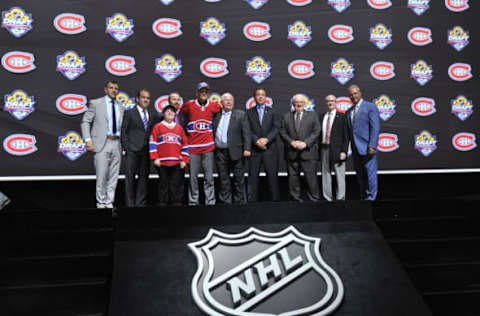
x=260 y=113
x=145 y=119
x=114 y=118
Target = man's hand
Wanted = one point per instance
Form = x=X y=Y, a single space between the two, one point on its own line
x=371 y=151
x=301 y=145
x=293 y=143
x=182 y=164
x=343 y=156
x=247 y=153
x=90 y=146
x=262 y=143
x=156 y=162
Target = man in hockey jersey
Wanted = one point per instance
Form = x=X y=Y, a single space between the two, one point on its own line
x=199 y=114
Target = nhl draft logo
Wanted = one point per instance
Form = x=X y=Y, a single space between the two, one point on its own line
x=258 y=69
x=20 y=144
x=251 y=102
x=167 y=28
x=19 y=104
x=168 y=67
x=162 y=101
x=462 y=107
x=17 y=21
x=342 y=104
x=342 y=70
x=420 y=36
x=18 y=62
x=212 y=30
x=70 y=65
x=386 y=106
x=257 y=31
x=167 y=2
x=120 y=65
x=418 y=6
x=340 y=34
x=299 y=3
x=309 y=103
x=458 y=38
x=382 y=70
x=457 y=5
x=460 y=72
x=69 y=23
x=380 y=36
x=379 y=4
x=464 y=141
x=387 y=142
x=125 y=100
x=72 y=104
x=213 y=67
x=339 y=5
x=301 y=69
x=425 y=143
x=215 y=97
x=299 y=33
x=119 y=27
x=71 y=145
x=256 y=4
x=423 y=106
x=286 y=261
x=421 y=72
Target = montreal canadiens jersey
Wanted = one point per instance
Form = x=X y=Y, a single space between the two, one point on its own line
x=200 y=125
x=170 y=145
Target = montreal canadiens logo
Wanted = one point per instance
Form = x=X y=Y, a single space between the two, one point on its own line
x=19 y=104
x=309 y=103
x=419 y=6
x=256 y=4
x=460 y=72
x=212 y=30
x=125 y=100
x=387 y=142
x=20 y=144
x=340 y=34
x=299 y=3
x=421 y=72
x=168 y=67
x=202 y=126
x=423 y=106
x=71 y=104
x=458 y=38
x=167 y=28
x=382 y=70
x=214 y=67
x=251 y=102
x=342 y=104
x=299 y=33
x=18 y=62
x=301 y=69
x=257 y=31
x=342 y=70
x=120 y=65
x=71 y=65
x=462 y=107
x=386 y=106
x=119 y=27
x=425 y=143
x=457 y=5
x=339 y=5
x=162 y=101
x=71 y=145
x=380 y=36
x=379 y=4
x=420 y=36
x=258 y=69
x=464 y=141
x=16 y=21
x=69 y=23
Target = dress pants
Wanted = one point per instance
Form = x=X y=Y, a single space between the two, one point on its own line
x=136 y=163
x=271 y=166
x=224 y=165
x=197 y=161
x=366 y=169
x=339 y=169
x=169 y=189
x=107 y=167
x=309 y=168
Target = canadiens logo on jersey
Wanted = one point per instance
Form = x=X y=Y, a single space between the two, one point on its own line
x=421 y=72
x=170 y=138
x=256 y=4
x=71 y=65
x=458 y=38
x=299 y=33
x=342 y=70
x=212 y=30
x=200 y=126
x=309 y=103
x=19 y=104
x=386 y=106
x=16 y=21
x=119 y=27
x=71 y=145
x=425 y=143
x=462 y=107
x=168 y=67
x=258 y=69
x=380 y=36
x=339 y=5
x=419 y=6
x=125 y=100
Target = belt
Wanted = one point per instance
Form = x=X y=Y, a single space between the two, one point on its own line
x=112 y=137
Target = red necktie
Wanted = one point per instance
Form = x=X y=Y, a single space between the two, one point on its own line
x=327 y=138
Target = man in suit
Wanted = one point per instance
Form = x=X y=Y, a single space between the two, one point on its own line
x=232 y=143
x=300 y=130
x=101 y=126
x=333 y=149
x=136 y=127
x=364 y=127
x=264 y=126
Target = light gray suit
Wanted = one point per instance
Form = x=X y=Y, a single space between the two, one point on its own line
x=107 y=151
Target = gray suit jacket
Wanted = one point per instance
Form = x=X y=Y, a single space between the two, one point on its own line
x=95 y=122
x=238 y=134
x=308 y=132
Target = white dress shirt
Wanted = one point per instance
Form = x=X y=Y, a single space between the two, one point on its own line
x=324 y=124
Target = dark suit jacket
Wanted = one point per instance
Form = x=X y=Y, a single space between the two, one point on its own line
x=269 y=129
x=134 y=137
x=339 y=137
x=238 y=134
x=308 y=133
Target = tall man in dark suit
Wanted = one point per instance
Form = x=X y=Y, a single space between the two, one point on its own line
x=333 y=149
x=364 y=127
x=264 y=126
x=232 y=143
x=136 y=127
x=300 y=131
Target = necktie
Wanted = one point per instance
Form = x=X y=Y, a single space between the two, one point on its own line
x=354 y=113
x=145 y=119
x=114 y=118
x=297 y=121
x=329 y=128
x=260 y=113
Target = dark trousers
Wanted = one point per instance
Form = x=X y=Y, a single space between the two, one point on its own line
x=136 y=163
x=225 y=165
x=170 y=189
x=271 y=167
x=309 y=168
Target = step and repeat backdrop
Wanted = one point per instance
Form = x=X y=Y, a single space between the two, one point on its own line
x=415 y=59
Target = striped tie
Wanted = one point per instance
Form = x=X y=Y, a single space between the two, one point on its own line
x=145 y=119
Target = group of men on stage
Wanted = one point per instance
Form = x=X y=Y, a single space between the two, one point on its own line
x=200 y=133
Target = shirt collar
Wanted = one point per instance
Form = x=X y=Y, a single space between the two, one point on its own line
x=169 y=125
x=140 y=108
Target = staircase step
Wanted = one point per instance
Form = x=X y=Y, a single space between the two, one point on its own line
x=464 y=303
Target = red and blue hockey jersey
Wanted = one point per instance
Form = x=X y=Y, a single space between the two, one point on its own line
x=168 y=144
